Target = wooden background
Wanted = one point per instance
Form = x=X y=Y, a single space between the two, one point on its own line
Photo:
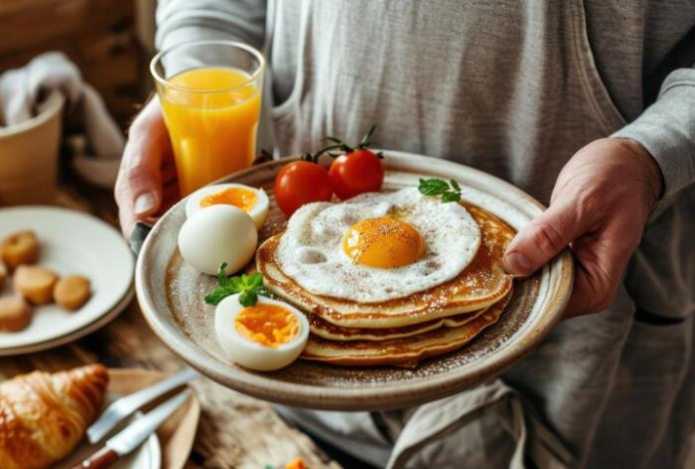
x=98 y=35
x=235 y=431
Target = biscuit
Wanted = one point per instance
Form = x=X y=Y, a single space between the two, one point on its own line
x=15 y=314
x=72 y=292
x=35 y=284
x=19 y=248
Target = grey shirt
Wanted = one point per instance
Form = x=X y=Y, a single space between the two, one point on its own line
x=513 y=88
x=642 y=49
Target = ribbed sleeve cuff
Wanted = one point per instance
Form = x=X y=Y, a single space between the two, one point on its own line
x=169 y=37
x=180 y=21
x=667 y=130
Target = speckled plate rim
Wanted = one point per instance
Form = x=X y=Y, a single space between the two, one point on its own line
x=556 y=279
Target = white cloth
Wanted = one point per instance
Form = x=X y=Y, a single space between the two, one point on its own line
x=25 y=90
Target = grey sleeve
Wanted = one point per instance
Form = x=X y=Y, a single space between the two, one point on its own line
x=187 y=20
x=667 y=130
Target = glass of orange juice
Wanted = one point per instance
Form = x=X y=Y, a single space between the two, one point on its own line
x=210 y=93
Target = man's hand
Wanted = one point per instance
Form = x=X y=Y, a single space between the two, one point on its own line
x=601 y=202
x=147 y=182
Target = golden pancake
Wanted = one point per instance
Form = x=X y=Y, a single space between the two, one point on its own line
x=330 y=331
x=481 y=284
x=406 y=352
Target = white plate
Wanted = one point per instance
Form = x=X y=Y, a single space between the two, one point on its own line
x=72 y=337
x=147 y=456
x=71 y=243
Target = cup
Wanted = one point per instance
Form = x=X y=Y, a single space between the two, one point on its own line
x=29 y=157
x=210 y=93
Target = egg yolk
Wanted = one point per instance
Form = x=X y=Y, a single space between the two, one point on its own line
x=267 y=324
x=239 y=197
x=383 y=242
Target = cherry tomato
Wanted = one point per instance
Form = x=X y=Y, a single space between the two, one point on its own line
x=355 y=173
x=299 y=183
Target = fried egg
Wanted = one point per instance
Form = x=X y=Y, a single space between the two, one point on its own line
x=377 y=246
x=249 y=199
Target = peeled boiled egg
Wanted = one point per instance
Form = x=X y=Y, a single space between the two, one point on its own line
x=220 y=233
x=249 y=199
x=265 y=337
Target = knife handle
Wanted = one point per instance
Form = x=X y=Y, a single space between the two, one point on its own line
x=99 y=460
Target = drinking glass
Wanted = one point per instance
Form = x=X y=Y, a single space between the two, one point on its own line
x=210 y=93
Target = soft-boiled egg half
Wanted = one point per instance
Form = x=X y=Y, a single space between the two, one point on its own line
x=249 y=199
x=265 y=337
x=221 y=233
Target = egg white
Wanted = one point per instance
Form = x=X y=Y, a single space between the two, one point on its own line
x=248 y=353
x=259 y=212
x=310 y=251
x=220 y=233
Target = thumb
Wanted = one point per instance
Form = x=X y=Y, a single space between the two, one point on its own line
x=138 y=193
x=139 y=186
x=543 y=238
x=146 y=187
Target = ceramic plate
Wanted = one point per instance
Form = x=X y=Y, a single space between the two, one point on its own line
x=169 y=292
x=75 y=335
x=177 y=434
x=168 y=448
x=71 y=243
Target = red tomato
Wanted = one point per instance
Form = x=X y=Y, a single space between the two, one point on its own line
x=355 y=173
x=299 y=183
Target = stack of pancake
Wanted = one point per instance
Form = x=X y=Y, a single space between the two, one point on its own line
x=405 y=330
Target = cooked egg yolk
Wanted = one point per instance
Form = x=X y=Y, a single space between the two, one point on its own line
x=383 y=242
x=241 y=198
x=267 y=324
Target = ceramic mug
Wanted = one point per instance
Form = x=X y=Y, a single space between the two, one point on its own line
x=29 y=157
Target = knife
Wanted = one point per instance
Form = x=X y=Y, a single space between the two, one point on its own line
x=134 y=434
x=125 y=406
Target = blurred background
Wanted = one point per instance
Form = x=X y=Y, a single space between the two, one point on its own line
x=111 y=42
x=67 y=154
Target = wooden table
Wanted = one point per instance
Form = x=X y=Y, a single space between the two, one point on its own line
x=235 y=431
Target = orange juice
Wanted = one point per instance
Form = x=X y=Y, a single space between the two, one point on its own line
x=212 y=117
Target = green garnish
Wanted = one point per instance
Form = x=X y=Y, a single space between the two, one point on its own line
x=448 y=191
x=250 y=286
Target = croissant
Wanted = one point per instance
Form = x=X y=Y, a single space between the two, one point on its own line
x=43 y=416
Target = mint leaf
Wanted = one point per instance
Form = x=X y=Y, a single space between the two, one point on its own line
x=248 y=298
x=433 y=186
x=237 y=283
x=222 y=279
x=218 y=294
x=255 y=280
x=451 y=197
x=448 y=191
x=250 y=286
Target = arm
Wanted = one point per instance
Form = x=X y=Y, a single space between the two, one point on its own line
x=186 y=20
x=666 y=130
x=146 y=182
x=604 y=195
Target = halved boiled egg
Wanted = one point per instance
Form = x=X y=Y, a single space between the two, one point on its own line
x=265 y=337
x=249 y=199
